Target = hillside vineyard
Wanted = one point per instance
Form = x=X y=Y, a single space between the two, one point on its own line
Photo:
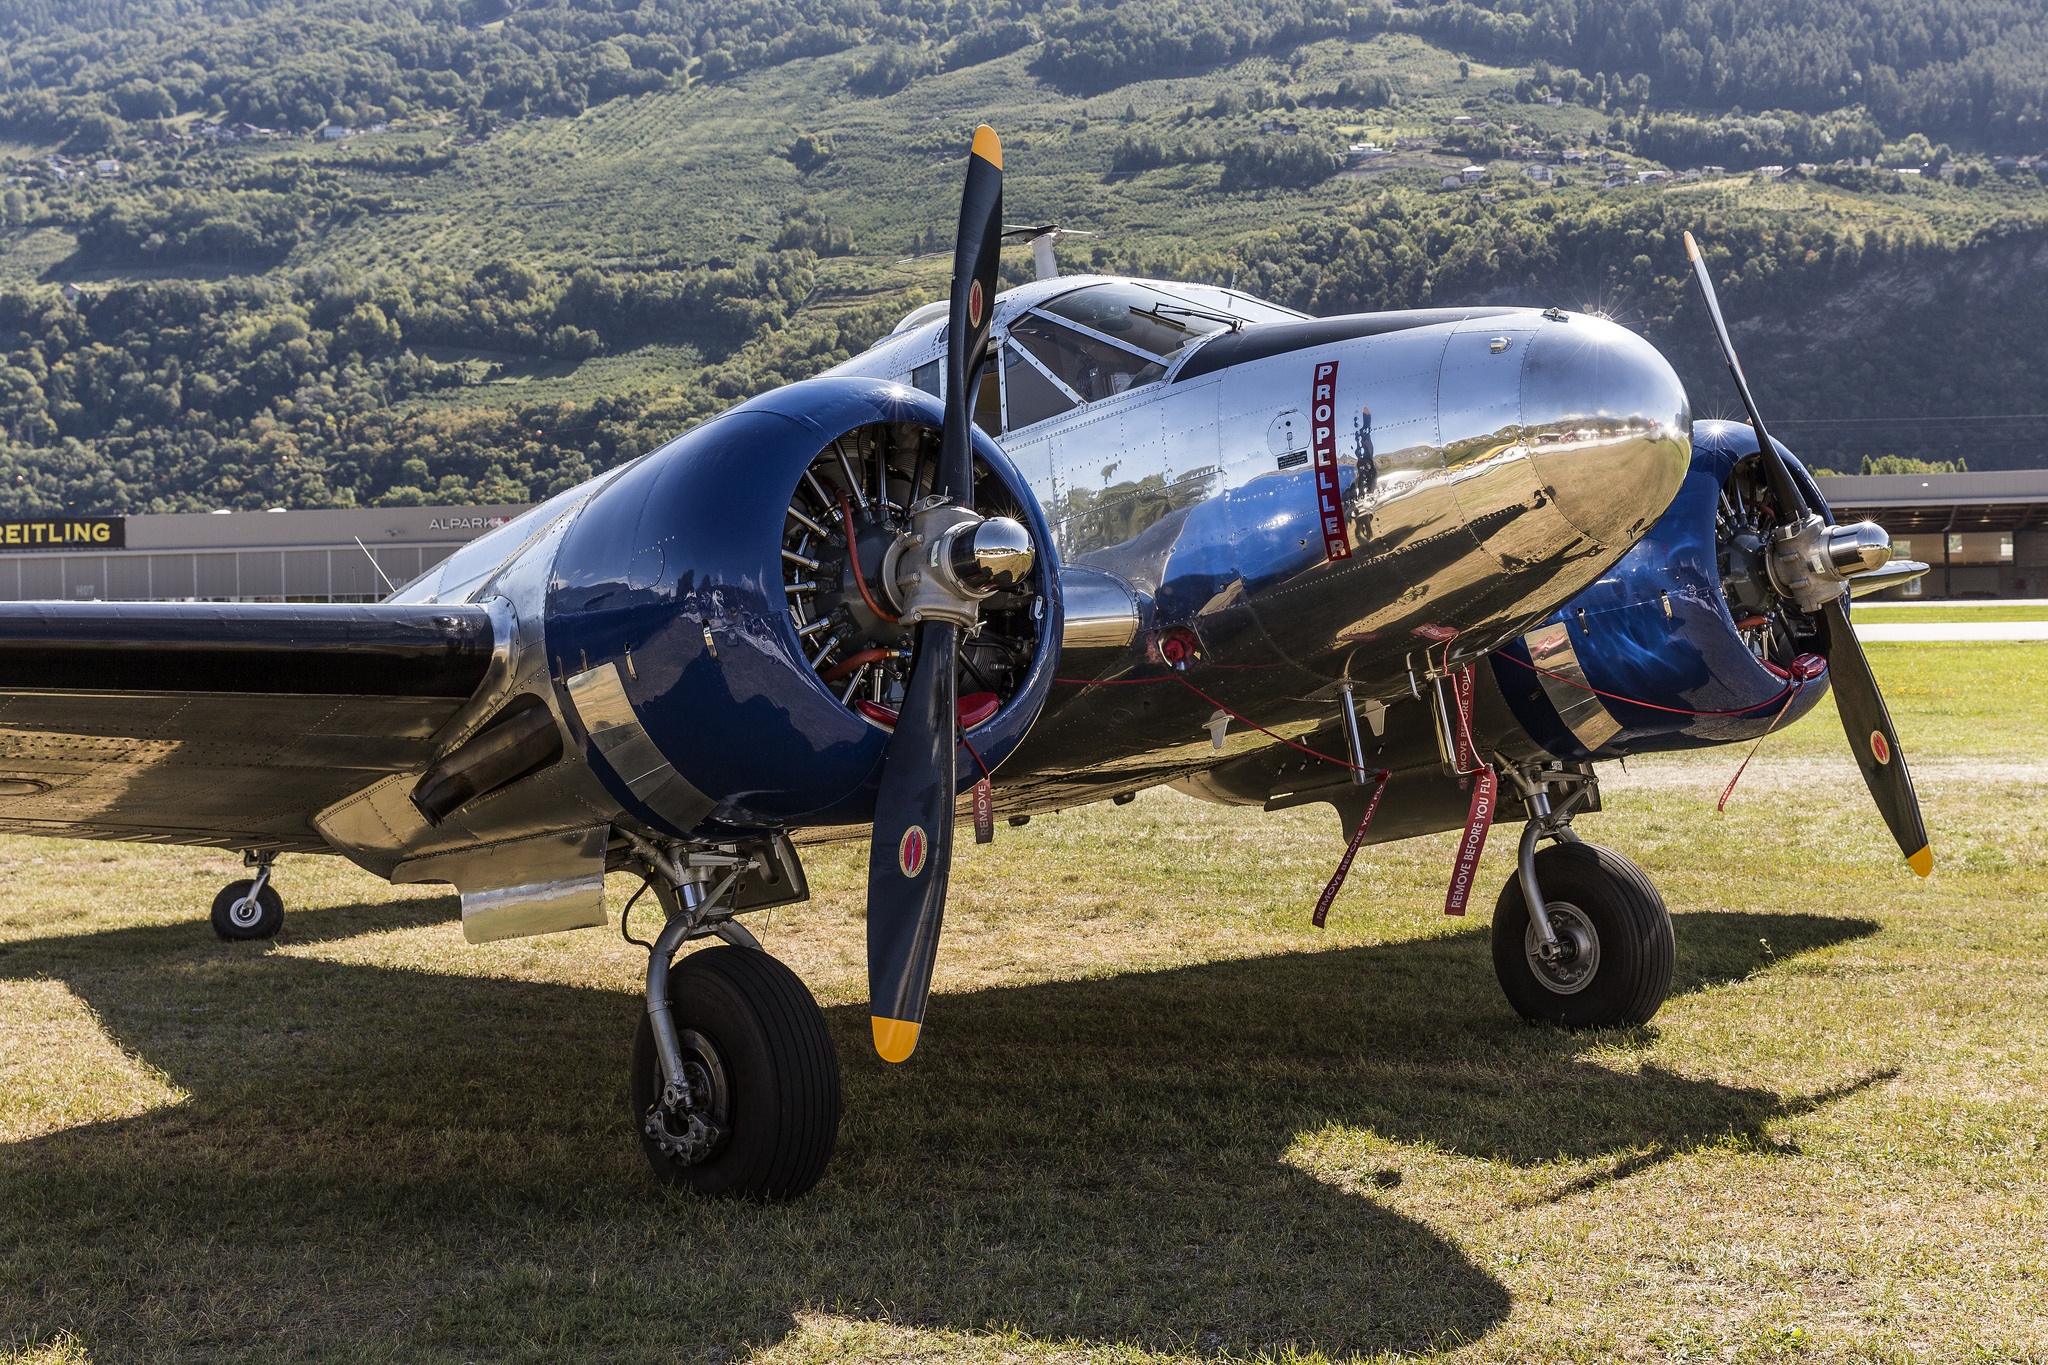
x=272 y=254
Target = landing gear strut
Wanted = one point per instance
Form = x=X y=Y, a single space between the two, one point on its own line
x=735 y=1082
x=250 y=908
x=1580 y=936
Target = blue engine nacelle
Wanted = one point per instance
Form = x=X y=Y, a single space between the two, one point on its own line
x=710 y=584
x=1684 y=642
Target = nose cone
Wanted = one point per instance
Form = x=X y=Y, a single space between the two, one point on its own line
x=1608 y=425
x=993 y=555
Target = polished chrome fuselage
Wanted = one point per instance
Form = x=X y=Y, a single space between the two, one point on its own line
x=1488 y=467
x=1481 y=469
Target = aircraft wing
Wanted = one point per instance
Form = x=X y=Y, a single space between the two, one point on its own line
x=228 y=724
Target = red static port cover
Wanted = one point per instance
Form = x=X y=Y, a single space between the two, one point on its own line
x=976 y=707
x=1804 y=668
x=1807 y=667
x=971 y=710
x=1178 y=647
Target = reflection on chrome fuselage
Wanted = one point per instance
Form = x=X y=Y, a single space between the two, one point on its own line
x=1489 y=464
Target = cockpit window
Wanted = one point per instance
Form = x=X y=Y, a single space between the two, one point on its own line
x=1137 y=316
x=1092 y=368
x=1033 y=397
x=988 y=402
x=1123 y=335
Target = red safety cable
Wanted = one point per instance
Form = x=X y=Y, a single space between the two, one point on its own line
x=1346 y=764
x=1791 y=690
x=1240 y=718
x=853 y=558
x=1721 y=806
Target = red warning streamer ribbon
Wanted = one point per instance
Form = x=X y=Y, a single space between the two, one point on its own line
x=1329 y=896
x=1485 y=789
x=984 y=813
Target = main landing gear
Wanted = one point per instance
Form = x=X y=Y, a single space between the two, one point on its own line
x=1580 y=936
x=735 y=1083
x=251 y=907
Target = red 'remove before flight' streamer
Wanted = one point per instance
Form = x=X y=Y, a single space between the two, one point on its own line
x=1485 y=791
x=1329 y=503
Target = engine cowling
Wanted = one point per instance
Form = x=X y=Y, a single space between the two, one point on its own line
x=730 y=666
x=1688 y=640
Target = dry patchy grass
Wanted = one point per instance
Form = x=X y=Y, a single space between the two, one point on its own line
x=1155 y=1115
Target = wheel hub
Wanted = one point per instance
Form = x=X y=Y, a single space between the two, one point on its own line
x=245 y=912
x=1568 y=966
x=692 y=1119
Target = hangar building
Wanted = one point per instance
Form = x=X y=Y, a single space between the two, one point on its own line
x=1985 y=534
x=341 y=555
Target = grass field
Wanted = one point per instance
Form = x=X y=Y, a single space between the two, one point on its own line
x=1907 y=613
x=1155 y=1115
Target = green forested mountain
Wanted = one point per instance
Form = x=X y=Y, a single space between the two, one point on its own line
x=1947 y=67
x=257 y=252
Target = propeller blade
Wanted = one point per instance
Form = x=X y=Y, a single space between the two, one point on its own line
x=911 y=854
x=977 y=252
x=1791 y=499
x=1864 y=718
x=1873 y=740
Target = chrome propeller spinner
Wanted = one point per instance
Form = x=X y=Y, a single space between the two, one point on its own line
x=1813 y=562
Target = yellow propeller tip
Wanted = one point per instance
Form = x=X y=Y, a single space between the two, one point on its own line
x=1923 y=861
x=895 y=1039
x=1692 y=248
x=989 y=148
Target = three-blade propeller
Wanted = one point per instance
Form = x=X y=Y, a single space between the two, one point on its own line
x=911 y=855
x=1805 y=546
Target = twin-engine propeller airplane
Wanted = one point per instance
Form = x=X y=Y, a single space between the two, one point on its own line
x=1031 y=550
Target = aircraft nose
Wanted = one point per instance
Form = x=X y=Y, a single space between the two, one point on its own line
x=1607 y=423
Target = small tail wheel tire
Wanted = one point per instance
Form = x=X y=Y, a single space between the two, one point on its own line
x=764 y=1078
x=1612 y=965
x=238 y=917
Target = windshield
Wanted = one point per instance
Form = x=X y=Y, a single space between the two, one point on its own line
x=1158 y=321
x=1091 y=369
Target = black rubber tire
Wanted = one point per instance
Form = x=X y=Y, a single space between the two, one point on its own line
x=268 y=921
x=1636 y=949
x=781 y=1069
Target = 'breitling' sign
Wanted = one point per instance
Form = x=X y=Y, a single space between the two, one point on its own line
x=64 y=533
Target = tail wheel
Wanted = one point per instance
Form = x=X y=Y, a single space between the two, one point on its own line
x=238 y=916
x=764 y=1072
x=1613 y=960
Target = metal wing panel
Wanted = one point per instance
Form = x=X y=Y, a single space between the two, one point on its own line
x=242 y=722
x=240 y=647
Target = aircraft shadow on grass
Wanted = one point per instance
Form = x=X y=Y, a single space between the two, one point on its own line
x=1097 y=1161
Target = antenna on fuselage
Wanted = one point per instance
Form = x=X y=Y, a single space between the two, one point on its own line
x=388 y=588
